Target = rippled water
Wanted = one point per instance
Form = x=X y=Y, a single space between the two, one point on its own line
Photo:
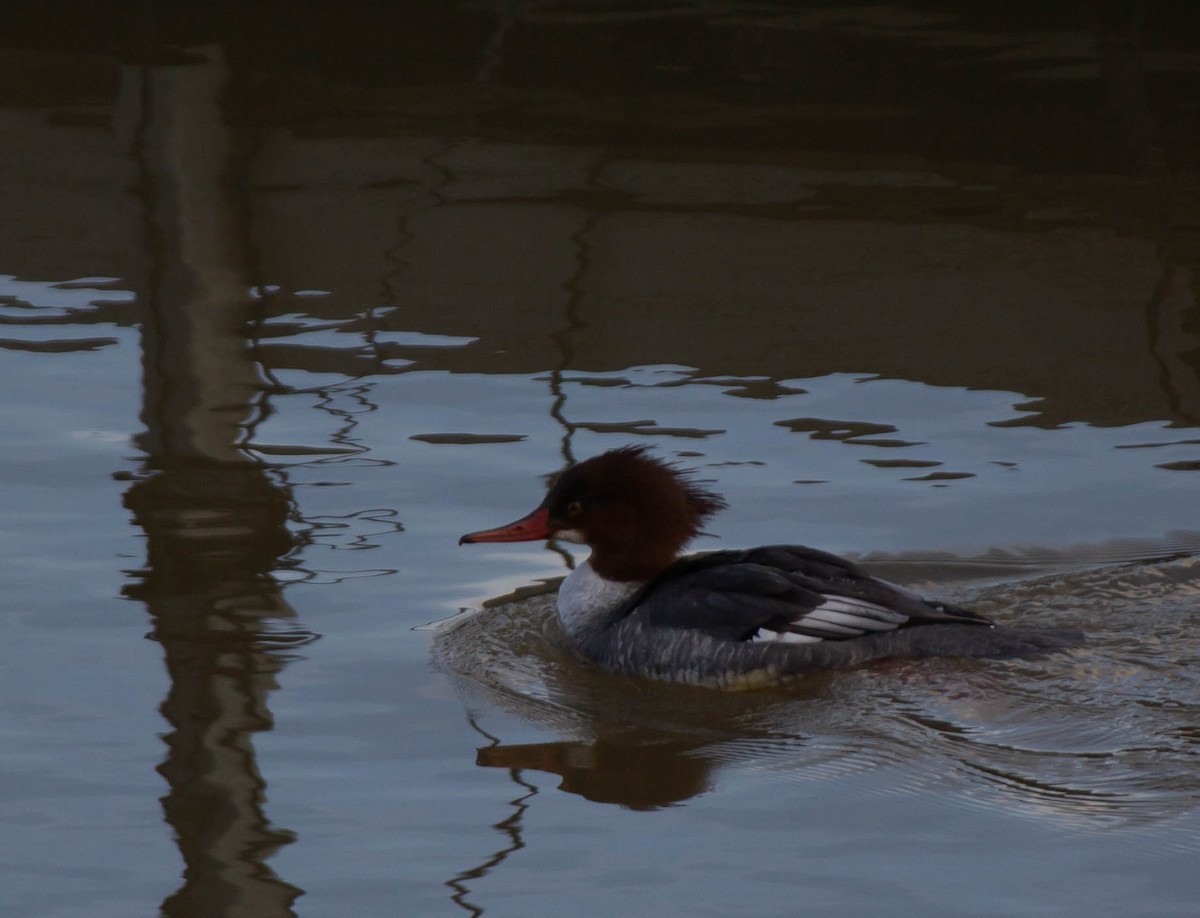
x=1104 y=734
x=286 y=306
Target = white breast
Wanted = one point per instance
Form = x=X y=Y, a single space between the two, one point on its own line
x=585 y=599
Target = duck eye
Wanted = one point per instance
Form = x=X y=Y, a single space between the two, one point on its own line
x=574 y=508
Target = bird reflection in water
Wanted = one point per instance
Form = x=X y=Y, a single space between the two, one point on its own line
x=639 y=772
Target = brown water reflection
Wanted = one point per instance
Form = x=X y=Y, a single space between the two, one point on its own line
x=215 y=520
x=677 y=181
x=215 y=607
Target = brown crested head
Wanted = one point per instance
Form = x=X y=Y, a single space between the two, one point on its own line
x=635 y=510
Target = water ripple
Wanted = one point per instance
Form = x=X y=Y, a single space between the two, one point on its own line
x=1109 y=733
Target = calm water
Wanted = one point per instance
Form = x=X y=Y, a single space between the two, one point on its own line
x=285 y=307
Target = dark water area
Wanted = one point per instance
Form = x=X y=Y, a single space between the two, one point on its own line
x=292 y=295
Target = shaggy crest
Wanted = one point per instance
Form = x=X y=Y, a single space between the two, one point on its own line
x=635 y=509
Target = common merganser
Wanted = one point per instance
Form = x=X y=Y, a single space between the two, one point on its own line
x=725 y=618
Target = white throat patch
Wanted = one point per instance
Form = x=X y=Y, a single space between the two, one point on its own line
x=585 y=598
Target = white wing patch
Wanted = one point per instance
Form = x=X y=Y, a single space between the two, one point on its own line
x=784 y=637
x=836 y=617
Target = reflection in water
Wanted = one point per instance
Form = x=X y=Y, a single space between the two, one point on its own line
x=565 y=337
x=511 y=827
x=1170 y=307
x=725 y=171
x=1037 y=736
x=213 y=534
x=639 y=772
x=215 y=522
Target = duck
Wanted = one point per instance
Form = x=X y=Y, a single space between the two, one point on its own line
x=737 y=618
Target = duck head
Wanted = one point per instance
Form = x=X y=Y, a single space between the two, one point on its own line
x=635 y=511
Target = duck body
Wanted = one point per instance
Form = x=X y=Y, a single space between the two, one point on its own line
x=735 y=618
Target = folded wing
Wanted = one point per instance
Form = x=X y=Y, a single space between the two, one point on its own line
x=784 y=593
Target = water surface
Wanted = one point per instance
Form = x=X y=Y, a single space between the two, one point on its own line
x=287 y=306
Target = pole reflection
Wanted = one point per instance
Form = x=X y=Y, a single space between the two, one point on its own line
x=215 y=519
